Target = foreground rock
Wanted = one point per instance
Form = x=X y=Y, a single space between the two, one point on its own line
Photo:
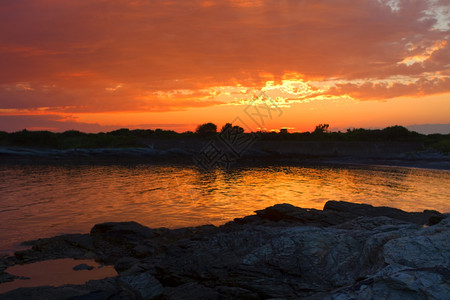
x=346 y=251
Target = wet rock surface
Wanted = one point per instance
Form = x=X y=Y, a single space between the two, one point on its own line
x=346 y=251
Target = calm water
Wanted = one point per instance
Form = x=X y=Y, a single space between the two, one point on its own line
x=42 y=201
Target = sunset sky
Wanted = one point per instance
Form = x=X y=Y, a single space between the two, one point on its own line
x=100 y=65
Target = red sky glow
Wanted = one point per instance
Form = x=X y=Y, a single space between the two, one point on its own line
x=100 y=65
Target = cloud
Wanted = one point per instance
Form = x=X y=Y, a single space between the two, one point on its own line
x=430 y=128
x=14 y=123
x=60 y=123
x=135 y=55
x=389 y=89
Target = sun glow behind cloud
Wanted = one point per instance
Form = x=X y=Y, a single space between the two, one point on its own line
x=423 y=55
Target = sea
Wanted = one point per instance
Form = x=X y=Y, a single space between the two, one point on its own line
x=44 y=200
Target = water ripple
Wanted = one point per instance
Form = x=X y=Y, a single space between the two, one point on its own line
x=39 y=201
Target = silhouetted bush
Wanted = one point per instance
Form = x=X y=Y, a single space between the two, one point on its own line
x=160 y=133
x=120 y=132
x=143 y=133
x=321 y=128
x=4 y=138
x=143 y=137
x=74 y=142
x=396 y=133
x=72 y=133
x=228 y=127
x=206 y=129
x=25 y=138
x=442 y=146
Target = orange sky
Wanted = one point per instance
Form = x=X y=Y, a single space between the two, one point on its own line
x=99 y=65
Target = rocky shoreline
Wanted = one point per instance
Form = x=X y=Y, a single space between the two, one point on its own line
x=264 y=154
x=345 y=251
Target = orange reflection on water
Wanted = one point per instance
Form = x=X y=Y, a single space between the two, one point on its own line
x=41 y=201
x=55 y=272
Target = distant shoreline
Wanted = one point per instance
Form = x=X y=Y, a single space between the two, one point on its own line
x=252 y=158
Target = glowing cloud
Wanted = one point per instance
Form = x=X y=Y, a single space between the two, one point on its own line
x=130 y=56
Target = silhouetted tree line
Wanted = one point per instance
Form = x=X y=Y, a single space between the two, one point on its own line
x=141 y=137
